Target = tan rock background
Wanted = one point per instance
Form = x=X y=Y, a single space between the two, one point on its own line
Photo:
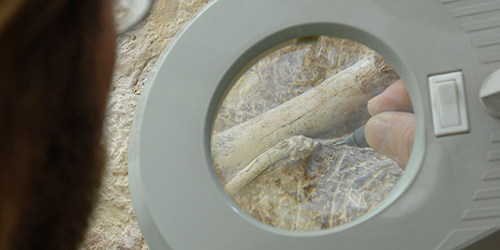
x=113 y=224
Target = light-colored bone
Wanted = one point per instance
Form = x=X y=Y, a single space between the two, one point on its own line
x=333 y=102
x=296 y=148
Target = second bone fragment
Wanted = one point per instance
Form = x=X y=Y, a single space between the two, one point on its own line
x=296 y=148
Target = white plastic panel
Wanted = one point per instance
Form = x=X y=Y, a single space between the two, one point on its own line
x=449 y=111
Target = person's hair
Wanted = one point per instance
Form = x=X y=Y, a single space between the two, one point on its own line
x=51 y=116
x=8 y=11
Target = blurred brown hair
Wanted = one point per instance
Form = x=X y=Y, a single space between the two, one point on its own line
x=51 y=115
x=8 y=11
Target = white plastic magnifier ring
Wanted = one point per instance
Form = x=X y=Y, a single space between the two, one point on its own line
x=129 y=13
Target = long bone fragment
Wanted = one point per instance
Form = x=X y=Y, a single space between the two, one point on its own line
x=333 y=102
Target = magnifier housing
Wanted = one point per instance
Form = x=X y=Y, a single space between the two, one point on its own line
x=449 y=195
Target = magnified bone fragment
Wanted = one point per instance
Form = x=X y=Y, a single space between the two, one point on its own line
x=272 y=140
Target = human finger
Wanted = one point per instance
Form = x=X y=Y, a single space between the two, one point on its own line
x=392 y=134
x=394 y=98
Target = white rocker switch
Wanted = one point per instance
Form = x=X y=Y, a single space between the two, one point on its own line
x=447 y=102
x=449 y=111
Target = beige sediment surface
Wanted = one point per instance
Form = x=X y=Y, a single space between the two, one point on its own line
x=113 y=224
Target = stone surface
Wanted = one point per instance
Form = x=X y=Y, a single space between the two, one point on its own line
x=113 y=224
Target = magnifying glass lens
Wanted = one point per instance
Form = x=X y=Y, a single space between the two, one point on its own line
x=276 y=140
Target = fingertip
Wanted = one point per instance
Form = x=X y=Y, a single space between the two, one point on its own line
x=394 y=98
x=371 y=106
x=392 y=134
x=377 y=131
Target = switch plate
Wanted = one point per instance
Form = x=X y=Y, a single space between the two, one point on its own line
x=449 y=111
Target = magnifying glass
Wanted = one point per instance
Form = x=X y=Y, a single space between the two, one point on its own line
x=185 y=165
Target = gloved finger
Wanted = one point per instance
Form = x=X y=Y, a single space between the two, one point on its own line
x=392 y=134
x=394 y=98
